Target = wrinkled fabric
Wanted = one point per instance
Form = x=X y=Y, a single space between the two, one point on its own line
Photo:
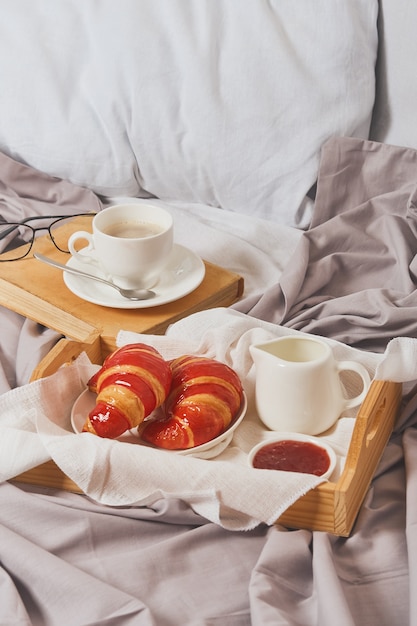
x=25 y=191
x=352 y=276
x=90 y=564
x=63 y=555
x=165 y=565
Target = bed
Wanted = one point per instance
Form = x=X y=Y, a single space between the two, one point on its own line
x=281 y=135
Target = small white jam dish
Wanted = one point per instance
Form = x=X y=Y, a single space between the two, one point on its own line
x=294 y=452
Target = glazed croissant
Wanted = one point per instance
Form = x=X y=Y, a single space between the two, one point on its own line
x=132 y=382
x=205 y=396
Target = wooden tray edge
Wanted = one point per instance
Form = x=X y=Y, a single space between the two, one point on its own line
x=332 y=506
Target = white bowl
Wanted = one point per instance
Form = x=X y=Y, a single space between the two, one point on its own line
x=87 y=400
x=297 y=437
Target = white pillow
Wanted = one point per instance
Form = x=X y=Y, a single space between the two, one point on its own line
x=394 y=116
x=220 y=102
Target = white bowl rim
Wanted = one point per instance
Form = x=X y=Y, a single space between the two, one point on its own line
x=131 y=436
x=273 y=437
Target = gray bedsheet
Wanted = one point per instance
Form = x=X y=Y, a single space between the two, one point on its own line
x=353 y=275
x=66 y=560
x=26 y=192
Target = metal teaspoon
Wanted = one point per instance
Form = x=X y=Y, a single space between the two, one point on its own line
x=130 y=294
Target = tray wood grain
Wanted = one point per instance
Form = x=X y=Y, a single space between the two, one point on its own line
x=38 y=292
x=331 y=507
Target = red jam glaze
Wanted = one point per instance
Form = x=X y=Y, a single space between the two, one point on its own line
x=137 y=385
x=168 y=434
x=226 y=395
x=188 y=368
x=107 y=421
x=139 y=355
x=204 y=422
x=149 y=361
x=293 y=456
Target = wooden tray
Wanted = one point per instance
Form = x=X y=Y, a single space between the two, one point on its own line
x=330 y=507
x=38 y=291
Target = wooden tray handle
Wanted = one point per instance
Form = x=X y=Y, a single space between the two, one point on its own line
x=374 y=423
x=64 y=352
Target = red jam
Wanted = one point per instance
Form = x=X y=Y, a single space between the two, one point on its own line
x=293 y=456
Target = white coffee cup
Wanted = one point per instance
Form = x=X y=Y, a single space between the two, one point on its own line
x=298 y=386
x=131 y=243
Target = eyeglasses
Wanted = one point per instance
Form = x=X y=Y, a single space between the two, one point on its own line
x=16 y=238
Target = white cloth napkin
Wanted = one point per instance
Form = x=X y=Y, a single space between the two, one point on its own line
x=35 y=426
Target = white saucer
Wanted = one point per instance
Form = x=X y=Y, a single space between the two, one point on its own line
x=184 y=272
x=87 y=400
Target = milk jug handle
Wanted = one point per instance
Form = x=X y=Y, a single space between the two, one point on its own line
x=361 y=370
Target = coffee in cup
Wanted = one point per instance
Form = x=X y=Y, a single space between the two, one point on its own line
x=131 y=243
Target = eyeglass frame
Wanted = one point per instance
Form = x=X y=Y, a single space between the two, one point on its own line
x=24 y=222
